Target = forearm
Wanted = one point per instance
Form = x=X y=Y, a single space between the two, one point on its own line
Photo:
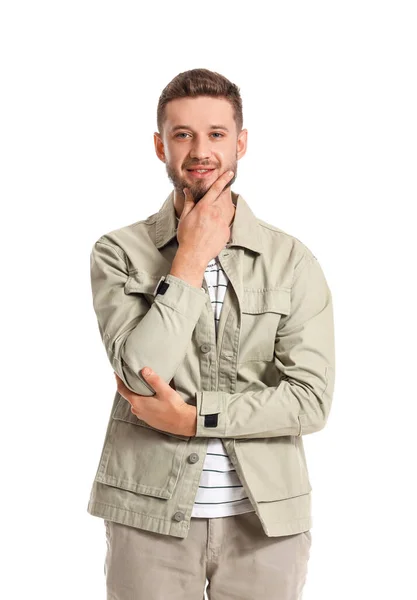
x=288 y=409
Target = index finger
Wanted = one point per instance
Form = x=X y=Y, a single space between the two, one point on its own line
x=217 y=188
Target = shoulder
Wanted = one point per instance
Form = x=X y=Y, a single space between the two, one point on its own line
x=275 y=239
x=123 y=237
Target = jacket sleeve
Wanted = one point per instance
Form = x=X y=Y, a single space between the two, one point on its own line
x=305 y=355
x=134 y=333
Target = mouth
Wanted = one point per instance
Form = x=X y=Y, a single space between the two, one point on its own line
x=200 y=173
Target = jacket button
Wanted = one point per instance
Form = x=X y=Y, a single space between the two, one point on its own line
x=193 y=458
x=179 y=516
x=205 y=348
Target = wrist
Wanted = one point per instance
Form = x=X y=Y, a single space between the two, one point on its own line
x=191 y=421
x=186 y=267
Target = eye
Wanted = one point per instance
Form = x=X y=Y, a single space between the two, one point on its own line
x=215 y=133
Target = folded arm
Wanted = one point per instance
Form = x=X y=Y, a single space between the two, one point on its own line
x=305 y=355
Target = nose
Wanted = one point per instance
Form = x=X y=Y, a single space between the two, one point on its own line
x=200 y=148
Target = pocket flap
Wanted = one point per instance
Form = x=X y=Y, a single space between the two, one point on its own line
x=123 y=413
x=276 y=300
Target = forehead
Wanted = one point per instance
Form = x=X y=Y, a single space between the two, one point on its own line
x=199 y=112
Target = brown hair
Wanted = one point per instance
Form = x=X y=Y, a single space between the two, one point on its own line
x=200 y=82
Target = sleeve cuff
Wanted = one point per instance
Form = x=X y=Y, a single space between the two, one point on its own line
x=182 y=296
x=211 y=420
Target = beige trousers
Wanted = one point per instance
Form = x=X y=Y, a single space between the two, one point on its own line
x=232 y=554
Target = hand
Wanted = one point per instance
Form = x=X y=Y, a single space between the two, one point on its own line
x=166 y=410
x=202 y=228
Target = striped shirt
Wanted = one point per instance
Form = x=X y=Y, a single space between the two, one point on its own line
x=220 y=492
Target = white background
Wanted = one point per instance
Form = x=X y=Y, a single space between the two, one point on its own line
x=329 y=101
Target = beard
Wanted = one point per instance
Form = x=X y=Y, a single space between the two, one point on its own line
x=199 y=187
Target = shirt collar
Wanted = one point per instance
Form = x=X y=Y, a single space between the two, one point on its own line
x=245 y=229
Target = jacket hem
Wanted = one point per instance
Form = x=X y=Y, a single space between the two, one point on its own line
x=165 y=527
x=288 y=527
x=139 y=520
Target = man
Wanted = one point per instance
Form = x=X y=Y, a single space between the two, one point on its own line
x=202 y=474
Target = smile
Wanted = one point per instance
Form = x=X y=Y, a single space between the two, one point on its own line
x=199 y=173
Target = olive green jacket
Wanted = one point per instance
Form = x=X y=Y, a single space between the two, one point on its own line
x=266 y=380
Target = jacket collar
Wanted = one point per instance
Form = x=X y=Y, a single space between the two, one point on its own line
x=244 y=231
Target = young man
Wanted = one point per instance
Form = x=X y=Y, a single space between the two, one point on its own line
x=202 y=474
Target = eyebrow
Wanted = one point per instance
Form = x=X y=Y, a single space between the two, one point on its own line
x=188 y=127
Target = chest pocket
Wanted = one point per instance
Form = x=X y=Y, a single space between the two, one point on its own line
x=261 y=312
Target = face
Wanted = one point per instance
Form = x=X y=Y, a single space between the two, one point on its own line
x=188 y=140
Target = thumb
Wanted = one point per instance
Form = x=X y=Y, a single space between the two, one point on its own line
x=155 y=380
x=188 y=203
